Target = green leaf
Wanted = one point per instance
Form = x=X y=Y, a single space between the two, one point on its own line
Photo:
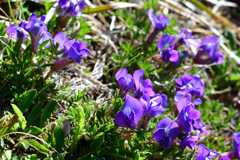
x=41 y=148
x=21 y=118
x=235 y=77
x=2 y=29
x=172 y=22
x=3 y=120
x=8 y=154
x=47 y=112
x=80 y=117
x=24 y=145
x=43 y=44
x=33 y=157
x=59 y=138
x=128 y=19
x=9 y=125
x=34 y=113
x=63 y=155
x=97 y=142
x=34 y=130
x=27 y=99
x=48 y=6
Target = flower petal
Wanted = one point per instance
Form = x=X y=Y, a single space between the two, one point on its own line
x=60 y=37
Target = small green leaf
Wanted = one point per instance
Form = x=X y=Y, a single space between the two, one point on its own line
x=34 y=113
x=33 y=157
x=41 y=148
x=172 y=22
x=97 y=142
x=8 y=154
x=24 y=145
x=63 y=155
x=9 y=125
x=3 y=120
x=21 y=119
x=94 y=129
x=47 y=112
x=27 y=99
x=80 y=117
x=59 y=138
x=235 y=77
x=48 y=6
x=34 y=130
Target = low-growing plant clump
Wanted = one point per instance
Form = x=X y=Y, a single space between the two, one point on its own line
x=116 y=80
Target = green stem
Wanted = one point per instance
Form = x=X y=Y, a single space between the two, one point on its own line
x=10 y=8
x=21 y=8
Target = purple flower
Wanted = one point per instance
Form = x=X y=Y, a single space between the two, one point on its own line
x=189 y=117
x=66 y=127
x=187 y=39
x=125 y=81
x=36 y=28
x=168 y=54
x=142 y=87
x=166 y=131
x=189 y=142
x=205 y=154
x=18 y=31
x=190 y=84
x=60 y=38
x=152 y=107
x=131 y=113
x=74 y=50
x=209 y=46
x=72 y=7
x=160 y=22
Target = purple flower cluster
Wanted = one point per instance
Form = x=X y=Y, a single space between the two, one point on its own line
x=35 y=27
x=73 y=50
x=142 y=103
x=72 y=7
x=190 y=120
x=207 y=49
x=208 y=46
x=138 y=110
x=145 y=104
x=127 y=81
x=189 y=84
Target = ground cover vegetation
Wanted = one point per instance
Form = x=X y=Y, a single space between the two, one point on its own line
x=84 y=79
